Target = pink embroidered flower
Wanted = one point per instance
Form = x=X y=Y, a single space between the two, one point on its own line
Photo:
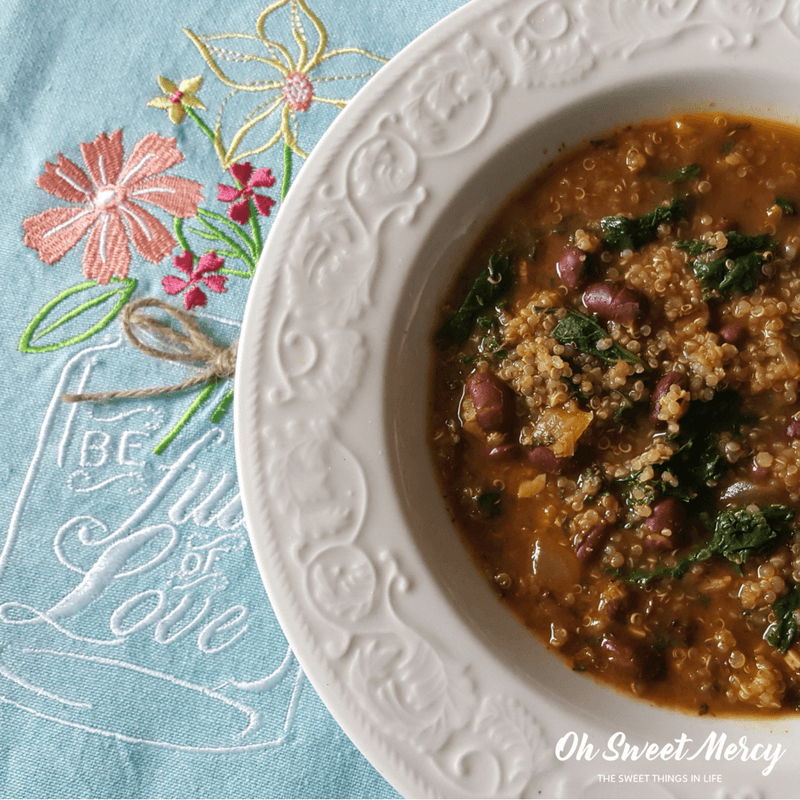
x=109 y=209
x=208 y=263
x=240 y=198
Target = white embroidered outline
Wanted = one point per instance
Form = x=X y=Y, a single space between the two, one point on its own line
x=276 y=676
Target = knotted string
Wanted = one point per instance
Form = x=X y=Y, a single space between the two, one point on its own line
x=190 y=345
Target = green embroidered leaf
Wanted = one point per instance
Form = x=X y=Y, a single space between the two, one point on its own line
x=90 y=315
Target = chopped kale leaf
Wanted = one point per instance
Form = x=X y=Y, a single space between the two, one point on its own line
x=489 y=287
x=786 y=205
x=584 y=334
x=738 y=266
x=489 y=504
x=682 y=174
x=698 y=460
x=628 y=486
x=783 y=632
x=622 y=233
x=643 y=578
x=694 y=249
x=739 y=533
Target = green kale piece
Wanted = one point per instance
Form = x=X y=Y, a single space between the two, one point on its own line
x=738 y=266
x=489 y=287
x=584 y=333
x=489 y=505
x=695 y=248
x=783 y=632
x=682 y=174
x=698 y=460
x=623 y=233
x=643 y=578
x=740 y=534
x=630 y=483
x=786 y=205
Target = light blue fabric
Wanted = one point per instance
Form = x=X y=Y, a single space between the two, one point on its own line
x=139 y=655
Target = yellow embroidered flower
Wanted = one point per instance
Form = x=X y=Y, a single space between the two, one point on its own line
x=176 y=98
x=282 y=75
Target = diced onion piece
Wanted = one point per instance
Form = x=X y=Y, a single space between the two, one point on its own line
x=562 y=427
x=531 y=488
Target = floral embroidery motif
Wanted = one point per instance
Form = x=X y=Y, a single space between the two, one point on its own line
x=284 y=79
x=208 y=263
x=109 y=209
x=105 y=198
x=177 y=99
x=243 y=174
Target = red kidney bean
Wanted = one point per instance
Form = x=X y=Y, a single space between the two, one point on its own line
x=614 y=301
x=621 y=655
x=646 y=664
x=491 y=398
x=661 y=388
x=571 y=267
x=502 y=451
x=592 y=541
x=726 y=224
x=793 y=429
x=545 y=460
x=668 y=512
x=758 y=471
x=733 y=333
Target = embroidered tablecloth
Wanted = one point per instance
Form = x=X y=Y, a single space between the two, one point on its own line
x=146 y=147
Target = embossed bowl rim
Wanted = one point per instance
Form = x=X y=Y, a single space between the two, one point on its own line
x=409 y=188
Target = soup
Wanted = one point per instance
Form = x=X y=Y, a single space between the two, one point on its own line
x=614 y=414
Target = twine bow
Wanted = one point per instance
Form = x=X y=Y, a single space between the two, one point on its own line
x=190 y=346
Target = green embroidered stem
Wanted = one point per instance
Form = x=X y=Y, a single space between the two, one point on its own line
x=179 y=234
x=219 y=412
x=187 y=415
x=215 y=234
x=254 y=226
x=287 y=170
x=200 y=124
x=203 y=214
x=238 y=273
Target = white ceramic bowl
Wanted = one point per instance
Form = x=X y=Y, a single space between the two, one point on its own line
x=431 y=677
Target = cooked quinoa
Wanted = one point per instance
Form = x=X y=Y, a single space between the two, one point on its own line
x=614 y=411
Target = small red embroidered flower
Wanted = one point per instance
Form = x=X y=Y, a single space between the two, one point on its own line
x=107 y=204
x=208 y=263
x=239 y=210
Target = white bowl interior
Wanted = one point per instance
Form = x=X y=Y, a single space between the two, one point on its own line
x=464 y=216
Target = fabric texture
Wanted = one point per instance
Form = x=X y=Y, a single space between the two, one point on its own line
x=145 y=149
